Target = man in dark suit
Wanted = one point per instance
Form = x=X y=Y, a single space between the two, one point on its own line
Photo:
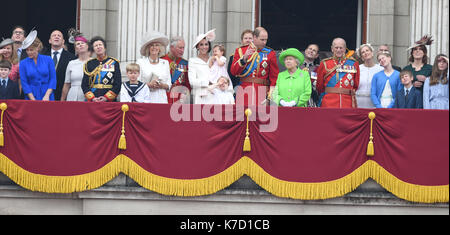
x=409 y=97
x=61 y=58
x=9 y=89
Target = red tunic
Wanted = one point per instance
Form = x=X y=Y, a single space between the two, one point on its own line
x=343 y=75
x=262 y=68
x=179 y=76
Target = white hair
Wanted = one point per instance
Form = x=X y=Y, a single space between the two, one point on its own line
x=174 y=41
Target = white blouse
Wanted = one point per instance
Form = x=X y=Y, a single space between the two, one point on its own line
x=365 y=82
x=159 y=71
x=199 y=79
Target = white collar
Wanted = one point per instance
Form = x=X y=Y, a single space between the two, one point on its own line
x=59 y=51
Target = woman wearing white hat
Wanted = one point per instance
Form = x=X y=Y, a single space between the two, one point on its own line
x=155 y=72
x=199 y=68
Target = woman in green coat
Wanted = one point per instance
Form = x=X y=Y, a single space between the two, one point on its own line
x=293 y=88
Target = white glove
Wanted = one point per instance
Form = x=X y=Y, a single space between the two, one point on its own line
x=292 y=103
x=284 y=103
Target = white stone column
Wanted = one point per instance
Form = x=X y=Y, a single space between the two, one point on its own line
x=187 y=18
x=431 y=17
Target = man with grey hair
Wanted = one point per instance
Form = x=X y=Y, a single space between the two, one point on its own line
x=178 y=70
x=384 y=48
x=338 y=78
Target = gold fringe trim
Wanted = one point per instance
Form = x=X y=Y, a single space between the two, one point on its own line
x=213 y=184
x=3 y=107
x=348 y=183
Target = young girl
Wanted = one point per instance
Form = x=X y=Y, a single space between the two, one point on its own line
x=386 y=83
x=435 y=91
x=220 y=91
x=217 y=64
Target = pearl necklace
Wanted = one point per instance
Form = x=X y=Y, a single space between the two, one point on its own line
x=153 y=61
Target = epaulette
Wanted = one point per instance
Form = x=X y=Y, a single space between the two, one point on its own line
x=118 y=61
x=352 y=58
x=326 y=59
x=91 y=59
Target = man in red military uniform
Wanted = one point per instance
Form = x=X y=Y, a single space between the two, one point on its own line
x=338 y=78
x=256 y=66
x=178 y=71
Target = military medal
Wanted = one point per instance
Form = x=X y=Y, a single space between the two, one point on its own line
x=105 y=81
x=264 y=73
x=346 y=83
x=349 y=76
x=264 y=64
x=109 y=75
x=172 y=66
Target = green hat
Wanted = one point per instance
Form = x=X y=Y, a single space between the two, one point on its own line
x=292 y=52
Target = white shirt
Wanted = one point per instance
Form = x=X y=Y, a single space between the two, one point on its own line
x=58 y=55
x=365 y=83
x=407 y=89
x=365 y=78
x=152 y=71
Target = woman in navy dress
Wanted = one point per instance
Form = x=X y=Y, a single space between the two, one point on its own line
x=37 y=74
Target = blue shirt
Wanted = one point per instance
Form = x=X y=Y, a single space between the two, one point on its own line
x=6 y=81
x=38 y=77
x=379 y=82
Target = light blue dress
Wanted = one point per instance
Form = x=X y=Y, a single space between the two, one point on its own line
x=38 y=77
x=436 y=96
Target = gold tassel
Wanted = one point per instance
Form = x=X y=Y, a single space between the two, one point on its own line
x=370 y=146
x=3 y=107
x=123 y=140
x=247 y=146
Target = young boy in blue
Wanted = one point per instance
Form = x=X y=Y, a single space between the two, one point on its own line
x=409 y=97
x=9 y=89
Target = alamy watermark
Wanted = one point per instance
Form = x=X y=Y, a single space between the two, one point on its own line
x=266 y=113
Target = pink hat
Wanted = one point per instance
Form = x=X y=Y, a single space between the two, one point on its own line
x=81 y=38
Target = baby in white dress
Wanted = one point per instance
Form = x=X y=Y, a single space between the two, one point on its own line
x=220 y=92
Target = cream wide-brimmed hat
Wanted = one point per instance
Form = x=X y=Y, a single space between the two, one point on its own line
x=29 y=39
x=210 y=36
x=151 y=37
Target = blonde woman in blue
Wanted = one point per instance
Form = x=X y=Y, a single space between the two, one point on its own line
x=293 y=88
x=37 y=74
x=386 y=83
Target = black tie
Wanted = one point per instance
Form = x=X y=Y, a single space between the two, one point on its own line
x=406 y=96
x=55 y=57
x=3 y=89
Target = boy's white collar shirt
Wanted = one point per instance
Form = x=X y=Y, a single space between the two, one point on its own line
x=4 y=79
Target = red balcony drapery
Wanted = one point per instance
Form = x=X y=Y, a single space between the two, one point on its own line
x=64 y=147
